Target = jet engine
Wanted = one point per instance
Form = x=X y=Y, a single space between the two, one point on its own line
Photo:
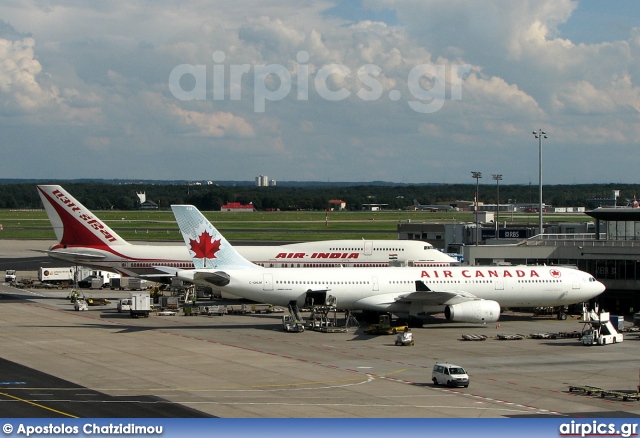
x=473 y=311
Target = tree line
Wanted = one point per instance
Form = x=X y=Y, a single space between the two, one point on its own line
x=105 y=196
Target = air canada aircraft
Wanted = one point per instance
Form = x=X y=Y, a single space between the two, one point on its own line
x=464 y=293
x=86 y=240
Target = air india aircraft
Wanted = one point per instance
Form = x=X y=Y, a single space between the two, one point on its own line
x=86 y=240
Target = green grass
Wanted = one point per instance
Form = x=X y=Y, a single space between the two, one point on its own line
x=261 y=226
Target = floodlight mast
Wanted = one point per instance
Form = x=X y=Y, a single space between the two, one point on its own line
x=477 y=176
x=539 y=135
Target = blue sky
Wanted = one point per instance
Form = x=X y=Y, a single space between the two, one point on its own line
x=414 y=91
x=599 y=21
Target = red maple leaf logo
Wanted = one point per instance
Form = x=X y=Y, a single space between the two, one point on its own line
x=555 y=273
x=206 y=248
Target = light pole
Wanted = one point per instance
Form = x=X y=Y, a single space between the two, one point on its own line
x=497 y=177
x=477 y=176
x=539 y=134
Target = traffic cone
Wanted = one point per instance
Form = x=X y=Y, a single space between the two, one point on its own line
x=498 y=326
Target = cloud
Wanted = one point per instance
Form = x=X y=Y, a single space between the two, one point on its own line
x=20 y=91
x=95 y=75
x=218 y=124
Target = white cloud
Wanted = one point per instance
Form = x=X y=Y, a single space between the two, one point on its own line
x=218 y=124
x=98 y=71
x=20 y=91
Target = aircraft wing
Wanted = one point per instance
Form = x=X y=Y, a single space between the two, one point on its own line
x=71 y=253
x=217 y=278
x=432 y=297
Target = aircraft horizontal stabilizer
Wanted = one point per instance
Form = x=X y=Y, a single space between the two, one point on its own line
x=71 y=253
x=169 y=270
x=218 y=278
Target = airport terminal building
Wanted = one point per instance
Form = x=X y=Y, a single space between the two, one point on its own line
x=609 y=250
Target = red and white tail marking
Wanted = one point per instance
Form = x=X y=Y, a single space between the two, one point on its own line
x=73 y=223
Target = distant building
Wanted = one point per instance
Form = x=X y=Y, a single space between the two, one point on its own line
x=337 y=204
x=373 y=207
x=148 y=205
x=144 y=204
x=237 y=207
x=263 y=181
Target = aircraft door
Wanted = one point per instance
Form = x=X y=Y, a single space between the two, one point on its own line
x=374 y=281
x=315 y=298
x=267 y=282
x=499 y=284
x=368 y=247
x=576 y=283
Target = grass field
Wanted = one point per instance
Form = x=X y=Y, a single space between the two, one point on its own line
x=261 y=226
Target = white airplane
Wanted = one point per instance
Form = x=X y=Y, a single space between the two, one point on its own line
x=86 y=240
x=464 y=293
x=431 y=207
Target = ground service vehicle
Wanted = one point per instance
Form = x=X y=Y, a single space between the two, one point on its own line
x=56 y=275
x=450 y=375
x=10 y=276
x=405 y=338
x=384 y=327
x=290 y=324
x=81 y=304
x=97 y=279
x=598 y=329
x=140 y=304
x=124 y=305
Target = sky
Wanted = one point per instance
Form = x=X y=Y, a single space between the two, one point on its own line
x=411 y=91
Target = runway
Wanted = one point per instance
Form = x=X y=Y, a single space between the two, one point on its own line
x=246 y=366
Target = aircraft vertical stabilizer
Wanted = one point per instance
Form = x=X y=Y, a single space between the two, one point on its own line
x=73 y=223
x=207 y=247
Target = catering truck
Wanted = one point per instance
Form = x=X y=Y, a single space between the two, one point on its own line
x=62 y=275
x=140 y=304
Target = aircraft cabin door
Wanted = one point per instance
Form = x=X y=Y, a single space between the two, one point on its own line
x=374 y=281
x=267 y=282
x=368 y=247
x=576 y=284
x=499 y=284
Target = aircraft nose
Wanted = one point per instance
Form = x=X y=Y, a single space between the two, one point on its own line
x=594 y=289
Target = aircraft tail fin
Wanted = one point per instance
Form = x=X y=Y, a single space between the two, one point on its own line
x=72 y=222
x=207 y=247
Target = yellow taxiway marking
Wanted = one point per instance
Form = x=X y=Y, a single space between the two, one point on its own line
x=38 y=405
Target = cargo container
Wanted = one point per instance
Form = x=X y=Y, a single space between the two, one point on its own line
x=140 y=304
x=137 y=284
x=169 y=302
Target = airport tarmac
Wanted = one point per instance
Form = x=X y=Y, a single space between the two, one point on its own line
x=246 y=366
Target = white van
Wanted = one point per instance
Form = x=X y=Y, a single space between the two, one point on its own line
x=124 y=305
x=450 y=375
